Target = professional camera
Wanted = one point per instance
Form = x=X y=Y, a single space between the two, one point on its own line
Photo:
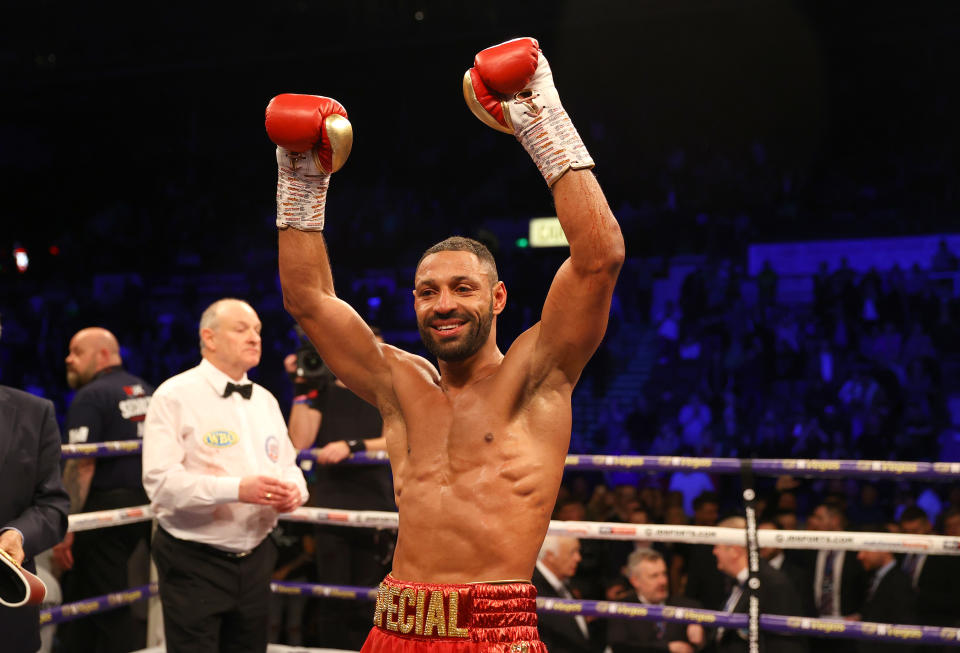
x=310 y=367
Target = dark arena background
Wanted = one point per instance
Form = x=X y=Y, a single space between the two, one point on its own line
x=785 y=173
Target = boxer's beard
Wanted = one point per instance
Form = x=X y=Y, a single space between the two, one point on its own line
x=478 y=330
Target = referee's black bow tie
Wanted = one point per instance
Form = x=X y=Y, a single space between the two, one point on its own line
x=244 y=389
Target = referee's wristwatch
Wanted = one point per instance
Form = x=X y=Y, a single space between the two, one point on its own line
x=356 y=446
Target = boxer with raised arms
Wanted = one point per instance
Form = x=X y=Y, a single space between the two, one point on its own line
x=477 y=444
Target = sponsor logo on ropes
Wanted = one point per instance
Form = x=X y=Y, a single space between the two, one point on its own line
x=124 y=445
x=950 y=633
x=82 y=607
x=819 y=465
x=122 y=598
x=692 y=615
x=823 y=625
x=221 y=439
x=618 y=461
x=574 y=530
x=946 y=468
x=895 y=466
x=380 y=520
x=666 y=531
x=617 y=530
x=921 y=545
x=334 y=592
x=558 y=606
x=678 y=461
x=629 y=610
x=818 y=539
x=900 y=632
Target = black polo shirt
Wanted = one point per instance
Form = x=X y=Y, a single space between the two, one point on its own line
x=348 y=486
x=111 y=407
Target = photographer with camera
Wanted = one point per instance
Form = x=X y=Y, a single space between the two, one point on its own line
x=326 y=415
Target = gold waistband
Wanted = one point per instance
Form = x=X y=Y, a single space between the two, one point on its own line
x=444 y=610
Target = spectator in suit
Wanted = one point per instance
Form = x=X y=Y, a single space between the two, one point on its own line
x=703 y=582
x=776 y=595
x=837 y=578
x=951 y=521
x=556 y=564
x=934 y=577
x=617 y=552
x=890 y=600
x=33 y=503
x=779 y=559
x=647 y=573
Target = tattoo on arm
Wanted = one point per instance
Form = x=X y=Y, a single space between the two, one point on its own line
x=77 y=476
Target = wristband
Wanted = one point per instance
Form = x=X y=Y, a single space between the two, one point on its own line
x=356 y=446
x=306 y=398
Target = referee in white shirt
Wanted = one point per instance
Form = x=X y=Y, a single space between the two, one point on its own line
x=218 y=466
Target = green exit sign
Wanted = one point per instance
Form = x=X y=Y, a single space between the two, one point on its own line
x=547 y=232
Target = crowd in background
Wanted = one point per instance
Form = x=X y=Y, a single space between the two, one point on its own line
x=865 y=369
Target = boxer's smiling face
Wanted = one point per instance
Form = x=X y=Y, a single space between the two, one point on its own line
x=456 y=303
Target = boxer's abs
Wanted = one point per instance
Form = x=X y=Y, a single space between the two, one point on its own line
x=484 y=522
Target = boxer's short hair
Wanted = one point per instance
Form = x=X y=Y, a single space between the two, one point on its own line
x=464 y=244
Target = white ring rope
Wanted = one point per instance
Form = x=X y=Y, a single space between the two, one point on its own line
x=846 y=540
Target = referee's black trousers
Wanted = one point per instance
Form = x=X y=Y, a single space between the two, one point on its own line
x=211 y=601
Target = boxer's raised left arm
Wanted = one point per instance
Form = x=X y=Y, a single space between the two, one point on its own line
x=510 y=88
x=577 y=308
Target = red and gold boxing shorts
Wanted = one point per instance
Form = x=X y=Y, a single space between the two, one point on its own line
x=470 y=618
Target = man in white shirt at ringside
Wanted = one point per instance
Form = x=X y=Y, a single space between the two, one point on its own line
x=218 y=467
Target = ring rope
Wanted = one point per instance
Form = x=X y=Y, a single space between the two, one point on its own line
x=837 y=628
x=70 y=611
x=846 y=540
x=901 y=469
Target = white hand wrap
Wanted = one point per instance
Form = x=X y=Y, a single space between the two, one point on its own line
x=301 y=191
x=544 y=129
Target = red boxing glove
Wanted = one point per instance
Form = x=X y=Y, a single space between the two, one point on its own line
x=314 y=139
x=510 y=88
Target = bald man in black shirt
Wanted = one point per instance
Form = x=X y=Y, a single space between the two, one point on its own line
x=110 y=405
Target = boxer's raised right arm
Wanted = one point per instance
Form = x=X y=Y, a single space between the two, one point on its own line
x=313 y=139
x=342 y=338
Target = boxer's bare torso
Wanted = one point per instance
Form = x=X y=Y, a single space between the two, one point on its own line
x=476 y=470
